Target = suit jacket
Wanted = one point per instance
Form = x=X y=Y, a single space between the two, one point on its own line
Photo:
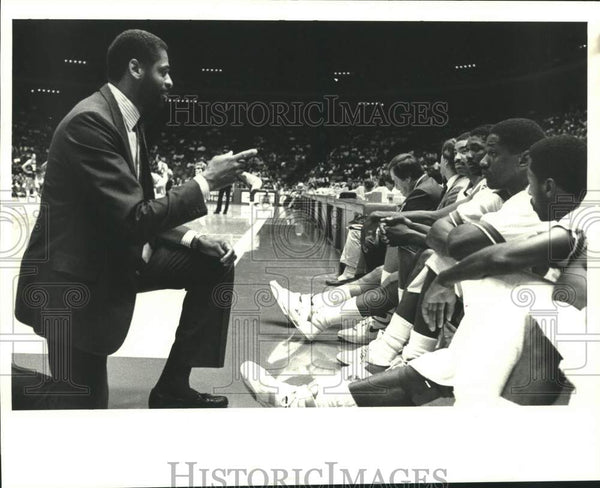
x=95 y=216
x=451 y=194
x=425 y=196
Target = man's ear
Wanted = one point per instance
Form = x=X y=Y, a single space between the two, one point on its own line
x=135 y=69
x=550 y=187
x=524 y=159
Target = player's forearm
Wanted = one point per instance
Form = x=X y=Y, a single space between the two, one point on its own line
x=415 y=238
x=429 y=217
x=510 y=257
x=422 y=216
x=478 y=265
x=437 y=236
x=420 y=228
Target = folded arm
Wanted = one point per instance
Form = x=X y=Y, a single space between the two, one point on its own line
x=548 y=248
x=437 y=237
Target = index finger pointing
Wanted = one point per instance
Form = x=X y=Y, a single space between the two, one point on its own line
x=245 y=154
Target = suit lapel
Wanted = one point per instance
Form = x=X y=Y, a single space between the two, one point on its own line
x=450 y=196
x=119 y=124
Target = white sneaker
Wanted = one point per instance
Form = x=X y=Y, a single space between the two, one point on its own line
x=353 y=356
x=270 y=392
x=355 y=371
x=398 y=362
x=294 y=307
x=285 y=298
x=299 y=317
x=368 y=354
x=363 y=332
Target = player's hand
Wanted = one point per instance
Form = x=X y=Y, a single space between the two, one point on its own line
x=218 y=248
x=391 y=235
x=378 y=214
x=438 y=305
x=395 y=219
x=222 y=170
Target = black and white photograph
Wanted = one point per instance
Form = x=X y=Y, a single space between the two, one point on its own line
x=377 y=224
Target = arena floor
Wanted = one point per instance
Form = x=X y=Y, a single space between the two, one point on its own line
x=271 y=243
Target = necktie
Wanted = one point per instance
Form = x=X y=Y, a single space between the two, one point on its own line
x=140 y=160
x=139 y=131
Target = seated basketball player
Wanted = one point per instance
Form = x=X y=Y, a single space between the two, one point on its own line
x=363 y=304
x=505 y=168
x=413 y=226
x=413 y=384
x=557 y=174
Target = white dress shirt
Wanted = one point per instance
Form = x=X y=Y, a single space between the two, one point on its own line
x=131 y=116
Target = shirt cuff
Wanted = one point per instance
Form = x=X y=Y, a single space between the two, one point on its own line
x=187 y=238
x=203 y=187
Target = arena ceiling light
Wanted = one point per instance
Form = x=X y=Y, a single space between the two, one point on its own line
x=211 y=70
x=465 y=66
x=341 y=73
x=75 y=61
x=45 y=90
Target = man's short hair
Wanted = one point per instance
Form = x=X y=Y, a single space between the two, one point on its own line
x=517 y=135
x=463 y=136
x=369 y=185
x=406 y=166
x=564 y=159
x=134 y=43
x=481 y=131
x=449 y=143
x=385 y=178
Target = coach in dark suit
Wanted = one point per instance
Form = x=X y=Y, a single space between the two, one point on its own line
x=102 y=237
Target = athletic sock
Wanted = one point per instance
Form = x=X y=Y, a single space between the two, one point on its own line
x=330 y=297
x=390 y=343
x=418 y=345
x=332 y=315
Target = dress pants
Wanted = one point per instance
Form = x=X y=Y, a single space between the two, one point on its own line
x=224 y=193
x=80 y=378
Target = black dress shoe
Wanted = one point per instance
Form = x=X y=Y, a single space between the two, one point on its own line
x=28 y=387
x=195 y=400
x=28 y=373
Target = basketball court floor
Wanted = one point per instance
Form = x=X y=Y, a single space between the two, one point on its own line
x=271 y=243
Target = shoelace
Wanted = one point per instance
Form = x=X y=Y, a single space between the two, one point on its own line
x=364 y=351
x=397 y=362
x=364 y=323
x=362 y=355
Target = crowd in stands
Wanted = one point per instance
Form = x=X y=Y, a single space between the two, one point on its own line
x=430 y=303
x=573 y=123
x=286 y=155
